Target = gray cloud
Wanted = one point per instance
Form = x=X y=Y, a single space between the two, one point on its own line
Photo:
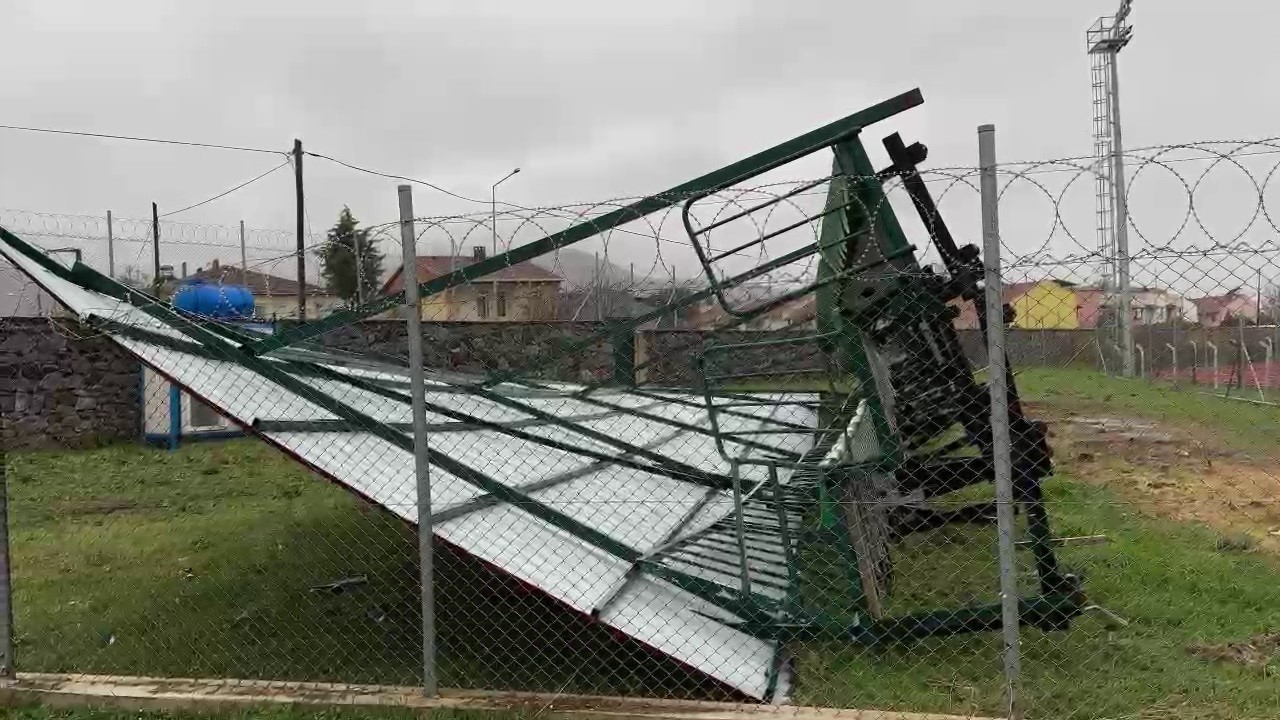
x=592 y=100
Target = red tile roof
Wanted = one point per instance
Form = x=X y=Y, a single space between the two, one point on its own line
x=1218 y=303
x=433 y=266
x=258 y=283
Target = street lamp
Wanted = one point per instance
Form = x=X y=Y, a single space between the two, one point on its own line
x=493 y=198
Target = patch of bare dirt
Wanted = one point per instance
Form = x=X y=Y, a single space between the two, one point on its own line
x=1173 y=472
x=1260 y=651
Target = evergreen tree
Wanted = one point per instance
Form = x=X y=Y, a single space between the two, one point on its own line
x=339 y=262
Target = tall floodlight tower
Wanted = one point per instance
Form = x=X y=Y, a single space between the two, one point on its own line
x=1105 y=39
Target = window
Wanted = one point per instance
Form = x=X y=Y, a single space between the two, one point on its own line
x=482 y=306
x=203 y=416
x=502 y=305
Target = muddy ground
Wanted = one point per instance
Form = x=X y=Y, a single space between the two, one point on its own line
x=1173 y=470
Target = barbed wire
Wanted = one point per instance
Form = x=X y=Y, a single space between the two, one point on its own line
x=1174 y=215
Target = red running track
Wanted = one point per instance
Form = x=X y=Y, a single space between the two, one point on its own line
x=1256 y=373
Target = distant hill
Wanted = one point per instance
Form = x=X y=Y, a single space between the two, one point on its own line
x=578 y=268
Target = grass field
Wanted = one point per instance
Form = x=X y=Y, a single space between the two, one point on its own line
x=202 y=562
x=1241 y=425
x=36 y=712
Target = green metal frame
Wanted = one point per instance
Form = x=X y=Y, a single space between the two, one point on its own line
x=865 y=277
x=863 y=256
x=725 y=177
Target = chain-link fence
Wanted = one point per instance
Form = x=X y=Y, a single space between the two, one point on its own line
x=736 y=441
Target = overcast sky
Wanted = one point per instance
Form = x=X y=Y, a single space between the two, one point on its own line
x=591 y=99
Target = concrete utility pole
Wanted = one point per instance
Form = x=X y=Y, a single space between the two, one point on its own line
x=421 y=450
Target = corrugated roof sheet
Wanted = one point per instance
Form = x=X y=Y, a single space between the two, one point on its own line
x=548 y=443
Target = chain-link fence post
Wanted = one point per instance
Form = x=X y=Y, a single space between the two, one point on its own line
x=6 y=587
x=998 y=380
x=417 y=386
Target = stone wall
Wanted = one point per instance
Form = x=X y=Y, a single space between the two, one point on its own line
x=60 y=388
x=536 y=349
x=668 y=357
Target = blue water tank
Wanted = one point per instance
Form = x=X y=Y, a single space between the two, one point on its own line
x=214 y=300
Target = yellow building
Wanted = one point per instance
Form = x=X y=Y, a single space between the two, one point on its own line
x=1041 y=305
x=1044 y=305
x=521 y=293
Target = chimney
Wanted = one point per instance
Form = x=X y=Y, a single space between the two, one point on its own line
x=214 y=265
x=184 y=269
x=477 y=253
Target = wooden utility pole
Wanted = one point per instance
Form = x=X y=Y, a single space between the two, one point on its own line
x=302 y=256
x=111 y=249
x=155 y=248
x=244 y=257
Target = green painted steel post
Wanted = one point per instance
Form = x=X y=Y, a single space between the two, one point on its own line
x=624 y=355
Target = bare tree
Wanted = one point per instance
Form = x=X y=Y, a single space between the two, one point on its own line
x=132 y=276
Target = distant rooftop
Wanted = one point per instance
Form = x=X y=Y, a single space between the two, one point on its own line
x=433 y=266
x=258 y=283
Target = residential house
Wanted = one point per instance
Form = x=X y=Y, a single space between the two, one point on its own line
x=1092 y=307
x=1159 y=306
x=520 y=292
x=802 y=312
x=1216 y=309
x=1147 y=306
x=1047 y=304
x=793 y=314
x=705 y=314
x=273 y=296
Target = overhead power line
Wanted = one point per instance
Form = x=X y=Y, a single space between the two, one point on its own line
x=225 y=193
x=133 y=138
x=393 y=176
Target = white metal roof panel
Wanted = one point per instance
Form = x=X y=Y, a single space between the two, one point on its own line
x=641 y=509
